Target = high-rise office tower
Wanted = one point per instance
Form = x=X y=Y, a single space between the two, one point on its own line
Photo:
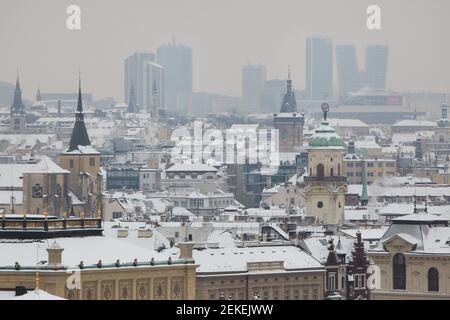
x=253 y=81
x=134 y=75
x=347 y=68
x=376 y=66
x=153 y=88
x=319 y=69
x=177 y=62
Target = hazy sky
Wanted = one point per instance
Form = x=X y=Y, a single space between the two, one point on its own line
x=224 y=35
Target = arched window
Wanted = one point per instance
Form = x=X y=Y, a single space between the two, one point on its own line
x=320 y=170
x=433 y=279
x=399 y=271
x=331 y=172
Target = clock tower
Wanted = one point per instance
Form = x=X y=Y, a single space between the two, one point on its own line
x=325 y=183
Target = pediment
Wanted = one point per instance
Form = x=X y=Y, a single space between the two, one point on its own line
x=400 y=242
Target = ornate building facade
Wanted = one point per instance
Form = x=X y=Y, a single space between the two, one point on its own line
x=325 y=183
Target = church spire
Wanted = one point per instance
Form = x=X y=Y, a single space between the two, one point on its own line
x=79 y=134
x=364 y=198
x=289 y=103
x=17 y=105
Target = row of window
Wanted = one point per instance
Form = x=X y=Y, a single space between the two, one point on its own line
x=371 y=164
x=399 y=274
x=269 y=293
x=91 y=162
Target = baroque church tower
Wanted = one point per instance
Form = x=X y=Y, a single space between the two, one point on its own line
x=83 y=162
x=325 y=183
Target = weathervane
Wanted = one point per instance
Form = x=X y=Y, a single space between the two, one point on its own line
x=325 y=109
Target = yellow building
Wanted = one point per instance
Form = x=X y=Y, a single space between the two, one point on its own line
x=412 y=259
x=325 y=183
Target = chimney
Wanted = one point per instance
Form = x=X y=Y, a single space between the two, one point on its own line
x=20 y=291
x=186 y=250
x=54 y=254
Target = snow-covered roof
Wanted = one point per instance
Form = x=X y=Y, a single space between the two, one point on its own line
x=188 y=167
x=5 y=197
x=367 y=144
x=347 y=123
x=366 y=234
x=36 y=294
x=81 y=150
x=414 y=123
x=46 y=165
x=236 y=259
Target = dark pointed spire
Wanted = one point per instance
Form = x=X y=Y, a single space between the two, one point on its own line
x=79 y=134
x=289 y=103
x=132 y=107
x=364 y=198
x=38 y=95
x=17 y=105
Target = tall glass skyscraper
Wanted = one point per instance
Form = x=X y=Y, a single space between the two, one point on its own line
x=376 y=66
x=134 y=74
x=177 y=62
x=319 y=69
x=349 y=77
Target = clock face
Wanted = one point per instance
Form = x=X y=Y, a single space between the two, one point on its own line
x=325 y=107
x=37 y=191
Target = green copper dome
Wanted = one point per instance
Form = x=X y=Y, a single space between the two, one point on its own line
x=325 y=136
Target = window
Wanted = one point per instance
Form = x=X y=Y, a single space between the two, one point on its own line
x=117 y=215
x=266 y=295
x=320 y=204
x=286 y=294
x=71 y=163
x=315 y=294
x=92 y=162
x=332 y=281
x=433 y=279
x=296 y=293
x=380 y=165
x=275 y=294
x=370 y=164
x=331 y=172
x=305 y=294
x=399 y=271
x=320 y=170
x=349 y=174
x=380 y=174
x=349 y=164
x=370 y=174
x=339 y=170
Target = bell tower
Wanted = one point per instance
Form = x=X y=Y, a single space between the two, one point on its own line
x=325 y=183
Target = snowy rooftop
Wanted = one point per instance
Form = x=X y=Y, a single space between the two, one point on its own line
x=414 y=123
x=236 y=259
x=198 y=167
x=36 y=294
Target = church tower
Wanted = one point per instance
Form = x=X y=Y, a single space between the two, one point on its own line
x=17 y=110
x=289 y=122
x=83 y=162
x=325 y=184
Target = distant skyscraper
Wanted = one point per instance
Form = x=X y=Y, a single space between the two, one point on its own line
x=253 y=81
x=376 y=66
x=6 y=93
x=177 y=62
x=134 y=74
x=319 y=68
x=154 y=88
x=347 y=67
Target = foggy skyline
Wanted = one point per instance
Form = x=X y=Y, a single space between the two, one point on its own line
x=223 y=35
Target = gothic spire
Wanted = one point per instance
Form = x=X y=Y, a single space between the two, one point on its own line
x=364 y=198
x=79 y=134
x=17 y=106
x=289 y=103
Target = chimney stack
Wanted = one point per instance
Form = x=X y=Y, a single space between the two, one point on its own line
x=55 y=254
x=186 y=250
